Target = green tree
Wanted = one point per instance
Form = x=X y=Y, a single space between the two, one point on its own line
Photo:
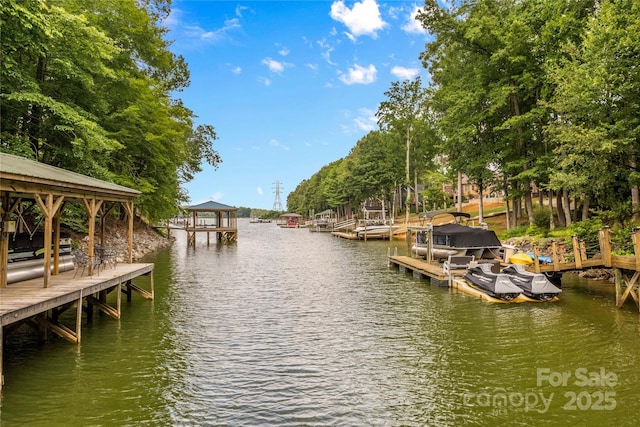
x=597 y=126
x=402 y=112
x=88 y=85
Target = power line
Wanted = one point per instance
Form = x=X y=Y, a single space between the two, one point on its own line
x=277 y=204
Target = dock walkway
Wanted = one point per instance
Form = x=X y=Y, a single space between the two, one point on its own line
x=29 y=301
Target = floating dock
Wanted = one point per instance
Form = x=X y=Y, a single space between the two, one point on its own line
x=453 y=278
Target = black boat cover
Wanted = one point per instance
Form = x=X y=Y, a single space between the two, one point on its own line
x=460 y=236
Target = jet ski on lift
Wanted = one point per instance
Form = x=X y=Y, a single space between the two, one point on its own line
x=533 y=285
x=497 y=285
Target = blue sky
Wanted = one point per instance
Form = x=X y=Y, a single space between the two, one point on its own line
x=290 y=86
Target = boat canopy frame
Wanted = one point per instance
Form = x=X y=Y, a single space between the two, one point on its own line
x=428 y=217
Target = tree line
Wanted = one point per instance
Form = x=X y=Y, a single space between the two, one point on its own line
x=90 y=85
x=521 y=94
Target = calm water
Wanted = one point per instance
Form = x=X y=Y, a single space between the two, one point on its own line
x=289 y=327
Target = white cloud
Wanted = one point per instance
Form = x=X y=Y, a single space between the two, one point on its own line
x=217 y=196
x=276 y=143
x=359 y=75
x=404 y=73
x=366 y=120
x=326 y=49
x=265 y=81
x=313 y=67
x=236 y=70
x=363 y=19
x=196 y=32
x=284 y=51
x=275 y=66
x=414 y=26
x=259 y=190
x=239 y=10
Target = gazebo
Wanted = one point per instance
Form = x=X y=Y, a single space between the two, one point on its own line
x=24 y=181
x=212 y=217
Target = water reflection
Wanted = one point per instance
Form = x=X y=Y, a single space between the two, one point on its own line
x=289 y=327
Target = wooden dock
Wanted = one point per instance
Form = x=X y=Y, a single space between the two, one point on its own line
x=626 y=267
x=29 y=301
x=424 y=270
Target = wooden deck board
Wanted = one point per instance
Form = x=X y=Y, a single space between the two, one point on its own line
x=24 y=299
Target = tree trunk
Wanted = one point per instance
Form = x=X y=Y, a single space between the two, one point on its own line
x=552 y=224
x=567 y=207
x=415 y=189
x=585 y=208
x=540 y=197
x=561 y=218
x=459 y=191
x=480 y=205
x=407 y=202
x=635 y=199
x=507 y=215
x=528 y=201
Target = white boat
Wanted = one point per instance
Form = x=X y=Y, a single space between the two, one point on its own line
x=375 y=231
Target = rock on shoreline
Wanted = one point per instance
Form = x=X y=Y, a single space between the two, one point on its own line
x=146 y=240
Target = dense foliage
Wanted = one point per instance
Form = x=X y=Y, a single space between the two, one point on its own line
x=88 y=85
x=523 y=94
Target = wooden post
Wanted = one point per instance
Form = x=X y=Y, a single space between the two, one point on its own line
x=56 y=241
x=617 y=274
x=554 y=253
x=1 y=371
x=129 y=208
x=119 y=299
x=636 y=247
x=576 y=252
x=536 y=260
x=583 y=250
x=4 y=251
x=408 y=241
x=92 y=206
x=79 y=318
x=49 y=209
x=604 y=236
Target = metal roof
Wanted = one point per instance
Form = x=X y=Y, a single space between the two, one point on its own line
x=16 y=169
x=211 y=206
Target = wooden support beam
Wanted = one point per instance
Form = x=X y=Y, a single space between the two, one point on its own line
x=79 y=317
x=130 y=212
x=1 y=371
x=104 y=307
x=576 y=252
x=631 y=288
x=555 y=255
x=58 y=328
x=146 y=294
x=636 y=247
x=5 y=214
x=536 y=260
x=49 y=208
x=92 y=207
x=604 y=237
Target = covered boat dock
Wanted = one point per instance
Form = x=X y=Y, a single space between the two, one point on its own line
x=211 y=217
x=40 y=300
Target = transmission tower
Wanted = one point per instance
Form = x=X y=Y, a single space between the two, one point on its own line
x=277 y=204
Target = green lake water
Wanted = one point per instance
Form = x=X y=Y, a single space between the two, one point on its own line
x=291 y=328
